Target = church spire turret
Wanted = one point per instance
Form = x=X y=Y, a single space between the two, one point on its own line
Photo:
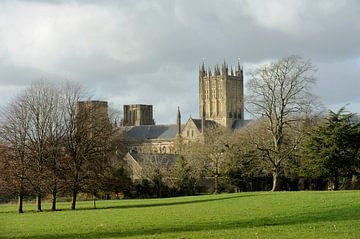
x=178 y=121
x=225 y=69
x=202 y=71
x=203 y=119
x=239 y=69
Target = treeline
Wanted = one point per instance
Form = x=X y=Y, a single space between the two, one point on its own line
x=290 y=145
x=322 y=153
x=53 y=143
x=318 y=153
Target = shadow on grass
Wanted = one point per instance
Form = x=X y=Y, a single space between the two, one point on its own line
x=162 y=204
x=334 y=215
x=159 y=204
x=152 y=204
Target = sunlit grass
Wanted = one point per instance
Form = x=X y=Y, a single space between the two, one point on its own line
x=241 y=215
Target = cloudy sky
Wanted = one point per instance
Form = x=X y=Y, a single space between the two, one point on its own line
x=144 y=51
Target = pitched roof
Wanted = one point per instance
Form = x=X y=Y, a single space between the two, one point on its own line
x=208 y=123
x=144 y=132
x=162 y=159
x=240 y=123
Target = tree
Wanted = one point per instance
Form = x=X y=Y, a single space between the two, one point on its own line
x=280 y=94
x=207 y=157
x=185 y=181
x=331 y=149
x=156 y=169
x=254 y=143
x=43 y=102
x=33 y=130
x=86 y=143
x=13 y=132
x=52 y=139
x=116 y=180
x=244 y=167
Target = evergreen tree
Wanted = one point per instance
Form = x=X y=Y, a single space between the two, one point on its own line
x=331 y=149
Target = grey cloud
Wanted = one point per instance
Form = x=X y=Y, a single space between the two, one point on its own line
x=149 y=51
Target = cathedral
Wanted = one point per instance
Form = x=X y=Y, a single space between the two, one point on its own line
x=221 y=103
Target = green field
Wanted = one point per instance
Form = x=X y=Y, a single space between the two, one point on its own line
x=241 y=215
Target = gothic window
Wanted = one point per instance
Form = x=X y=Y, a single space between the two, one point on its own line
x=230 y=115
x=187 y=133
x=192 y=133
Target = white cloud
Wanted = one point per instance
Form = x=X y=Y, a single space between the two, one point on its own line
x=295 y=17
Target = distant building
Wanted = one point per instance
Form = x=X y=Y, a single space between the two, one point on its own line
x=221 y=95
x=93 y=115
x=221 y=102
x=136 y=115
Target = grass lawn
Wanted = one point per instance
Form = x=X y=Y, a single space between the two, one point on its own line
x=240 y=215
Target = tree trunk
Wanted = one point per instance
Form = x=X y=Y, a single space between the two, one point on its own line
x=39 y=202
x=216 y=184
x=73 y=204
x=354 y=182
x=21 y=199
x=54 y=193
x=333 y=183
x=336 y=183
x=94 y=201
x=216 y=177
x=275 y=180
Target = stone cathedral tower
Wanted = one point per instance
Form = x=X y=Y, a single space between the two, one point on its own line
x=136 y=115
x=221 y=94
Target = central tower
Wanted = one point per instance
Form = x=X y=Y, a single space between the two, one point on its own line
x=221 y=94
x=135 y=115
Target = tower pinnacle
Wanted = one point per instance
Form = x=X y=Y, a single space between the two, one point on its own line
x=178 y=121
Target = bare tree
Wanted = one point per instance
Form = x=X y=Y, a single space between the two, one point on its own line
x=51 y=141
x=43 y=135
x=207 y=157
x=86 y=143
x=13 y=132
x=280 y=94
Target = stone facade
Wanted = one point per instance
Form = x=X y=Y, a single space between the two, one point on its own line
x=220 y=103
x=135 y=115
x=221 y=94
x=149 y=139
x=93 y=114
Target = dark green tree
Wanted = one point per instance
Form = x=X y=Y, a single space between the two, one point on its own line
x=185 y=181
x=331 y=149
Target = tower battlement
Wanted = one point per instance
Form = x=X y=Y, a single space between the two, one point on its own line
x=138 y=114
x=221 y=94
x=93 y=114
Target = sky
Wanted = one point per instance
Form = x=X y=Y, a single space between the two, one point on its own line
x=149 y=51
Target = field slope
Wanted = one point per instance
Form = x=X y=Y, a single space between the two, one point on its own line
x=241 y=215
